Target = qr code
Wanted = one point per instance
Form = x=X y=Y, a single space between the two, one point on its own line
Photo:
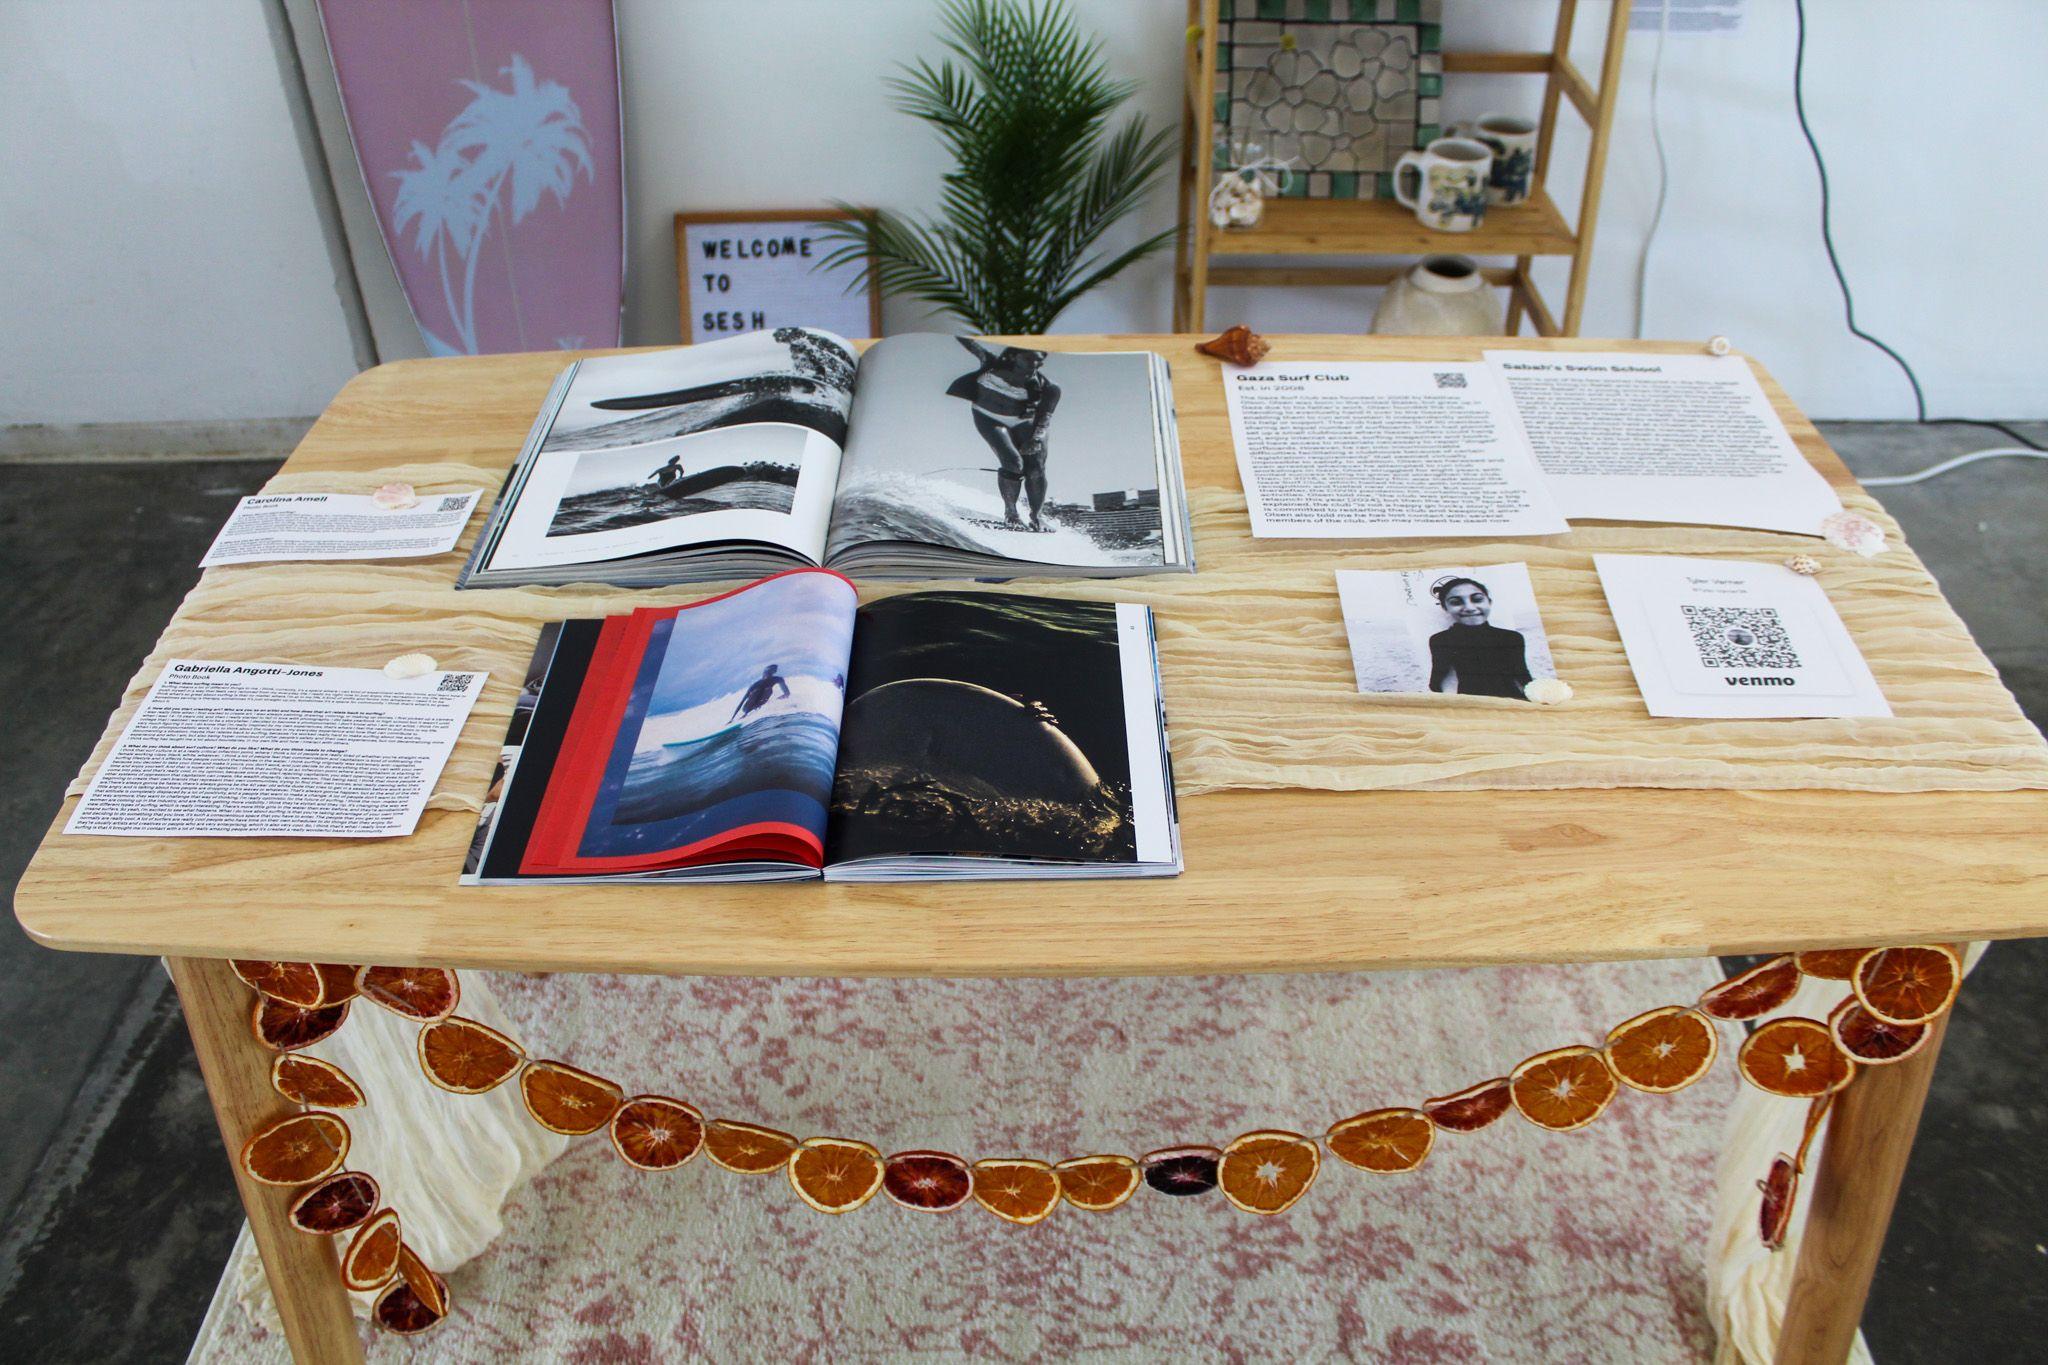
x=454 y=503
x=1449 y=379
x=456 y=682
x=1740 y=637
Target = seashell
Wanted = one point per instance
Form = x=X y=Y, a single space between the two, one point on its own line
x=1548 y=691
x=1803 y=564
x=1718 y=346
x=1239 y=346
x=395 y=497
x=410 y=666
x=1853 y=531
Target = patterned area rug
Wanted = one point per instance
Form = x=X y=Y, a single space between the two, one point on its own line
x=1508 y=1244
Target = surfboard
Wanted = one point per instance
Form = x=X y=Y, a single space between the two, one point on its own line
x=701 y=739
x=489 y=139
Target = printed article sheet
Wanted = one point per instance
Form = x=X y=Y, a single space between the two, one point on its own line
x=277 y=526
x=1679 y=438
x=1720 y=638
x=277 y=749
x=1392 y=449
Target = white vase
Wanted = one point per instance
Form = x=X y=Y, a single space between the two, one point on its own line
x=1442 y=296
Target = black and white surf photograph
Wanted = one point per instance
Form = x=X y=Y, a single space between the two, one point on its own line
x=1458 y=630
x=755 y=469
x=978 y=723
x=792 y=374
x=1004 y=450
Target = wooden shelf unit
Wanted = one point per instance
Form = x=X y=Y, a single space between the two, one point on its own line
x=1298 y=228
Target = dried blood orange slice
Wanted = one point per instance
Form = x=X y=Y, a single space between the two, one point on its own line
x=566 y=1099
x=930 y=1182
x=467 y=1057
x=835 y=1175
x=338 y=1203
x=401 y=1310
x=747 y=1148
x=1383 y=1140
x=1907 y=985
x=1016 y=1189
x=1268 y=1170
x=285 y=1028
x=1755 y=992
x=1182 y=1170
x=1098 y=1183
x=1780 y=1188
x=1870 y=1039
x=656 y=1133
x=311 y=1081
x=337 y=982
x=423 y=993
x=1795 y=1057
x=296 y=1149
x=432 y=1290
x=1830 y=964
x=1664 y=1049
x=372 y=1256
x=295 y=983
x=1469 y=1109
x=1563 y=1089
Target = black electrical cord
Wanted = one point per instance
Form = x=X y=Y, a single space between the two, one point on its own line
x=1827 y=238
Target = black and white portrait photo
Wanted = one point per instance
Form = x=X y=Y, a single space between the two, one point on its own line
x=1460 y=630
x=609 y=490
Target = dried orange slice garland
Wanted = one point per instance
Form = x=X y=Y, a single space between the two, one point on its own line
x=1896 y=995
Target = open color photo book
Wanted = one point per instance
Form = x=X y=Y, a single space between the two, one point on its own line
x=927 y=456
x=783 y=731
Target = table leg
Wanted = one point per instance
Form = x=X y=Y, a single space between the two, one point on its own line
x=305 y=1279
x=1862 y=1161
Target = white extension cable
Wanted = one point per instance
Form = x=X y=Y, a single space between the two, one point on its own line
x=1995 y=453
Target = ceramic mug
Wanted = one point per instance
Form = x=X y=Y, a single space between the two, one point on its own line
x=1512 y=141
x=1451 y=177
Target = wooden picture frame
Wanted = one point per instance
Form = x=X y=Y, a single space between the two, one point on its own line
x=695 y=303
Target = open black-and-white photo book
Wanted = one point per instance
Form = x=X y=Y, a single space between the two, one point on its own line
x=928 y=456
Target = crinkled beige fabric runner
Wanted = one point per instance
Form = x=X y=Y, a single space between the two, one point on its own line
x=1257 y=672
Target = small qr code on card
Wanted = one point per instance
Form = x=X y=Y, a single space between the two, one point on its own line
x=1740 y=637
x=1449 y=379
x=454 y=502
x=456 y=682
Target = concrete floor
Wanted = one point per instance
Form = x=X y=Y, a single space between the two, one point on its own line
x=120 y=1210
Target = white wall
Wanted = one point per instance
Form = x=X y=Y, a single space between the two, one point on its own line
x=164 y=260
x=161 y=256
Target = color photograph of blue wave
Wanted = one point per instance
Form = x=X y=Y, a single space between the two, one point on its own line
x=733 y=720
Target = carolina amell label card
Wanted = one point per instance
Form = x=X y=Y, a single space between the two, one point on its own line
x=1715 y=638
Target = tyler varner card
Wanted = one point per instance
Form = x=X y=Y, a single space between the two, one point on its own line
x=782 y=731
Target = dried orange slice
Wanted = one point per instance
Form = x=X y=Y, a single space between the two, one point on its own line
x=338 y=1203
x=467 y=1057
x=1016 y=1189
x=309 y=1080
x=1795 y=1057
x=1098 y=1183
x=835 y=1175
x=403 y=1310
x=1756 y=992
x=1182 y=1170
x=1830 y=964
x=1907 y=985
x=285 y=1028
x=1268 y=1170
x=566 y=1099
x=1780 y=1188
x=337 y=982
x=1469 y=1109
x=372 y=1256
x=1563 y=1089
x=1816 y=1110
x=930 y=1182
x=1663 y=1050
x=431 y=1289
x=296 y=1149
x=656 y=1133
x=1870 y=1039
x=295 y=983
x=1383 y=1140
x=747 y=1148
x=422 y=993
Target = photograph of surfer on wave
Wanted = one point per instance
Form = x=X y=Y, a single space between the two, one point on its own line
x=984 y=724
x=610 y=490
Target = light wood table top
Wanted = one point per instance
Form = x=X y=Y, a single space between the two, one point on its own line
x=1278 y=880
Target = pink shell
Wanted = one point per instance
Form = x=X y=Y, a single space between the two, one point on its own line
x=1853 y=531
x=395 y=496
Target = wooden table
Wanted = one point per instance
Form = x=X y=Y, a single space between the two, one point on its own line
x=1283 y=880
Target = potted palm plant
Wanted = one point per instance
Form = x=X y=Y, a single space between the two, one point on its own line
x=1024 y=104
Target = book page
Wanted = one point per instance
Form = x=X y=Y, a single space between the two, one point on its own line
x=736 y=440
x=1396 y=448
x=1036 y=456
x=1679 y=438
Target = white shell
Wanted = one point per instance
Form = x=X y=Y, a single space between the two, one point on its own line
x=1718 y=346
x=1853 y=531
x=410 y=666
x=1548 y=691
x=395 y=497
x=1803 y=564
